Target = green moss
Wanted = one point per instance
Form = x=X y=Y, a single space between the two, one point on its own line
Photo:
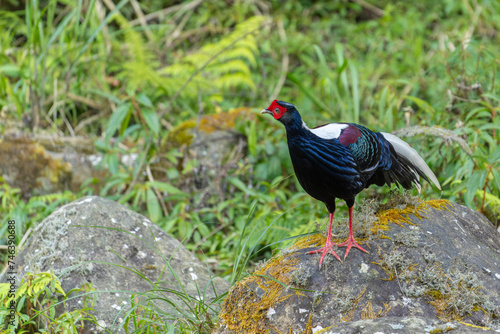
x=458 y=294
x=453 y=292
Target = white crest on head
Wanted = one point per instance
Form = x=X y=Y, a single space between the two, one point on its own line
x=329 y=131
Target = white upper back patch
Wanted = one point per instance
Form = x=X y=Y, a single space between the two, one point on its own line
x=329 y=131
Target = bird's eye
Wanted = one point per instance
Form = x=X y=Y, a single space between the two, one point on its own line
x=276 y=110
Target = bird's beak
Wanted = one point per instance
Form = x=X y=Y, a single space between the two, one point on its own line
x=266 y=111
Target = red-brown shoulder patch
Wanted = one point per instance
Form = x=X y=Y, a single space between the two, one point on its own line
x=350 y=135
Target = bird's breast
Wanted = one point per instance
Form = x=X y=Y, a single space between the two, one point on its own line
x=324 y=170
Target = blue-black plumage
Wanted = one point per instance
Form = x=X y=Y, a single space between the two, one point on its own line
x=339 y=160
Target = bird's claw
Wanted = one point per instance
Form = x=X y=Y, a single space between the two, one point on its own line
x=350 y=242
x=325 y=250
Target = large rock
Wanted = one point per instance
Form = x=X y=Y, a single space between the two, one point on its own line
x=432 y=267
x=120 y=252
x=26 y=165
x=40 y=165
x=209 y=147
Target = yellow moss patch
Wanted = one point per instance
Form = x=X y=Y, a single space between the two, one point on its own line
x=183 y=133
x=402 y=216
x=474 y=326
x=310 y=241
x=350 y=315
x=368 y=313
x=439 y=204
x=243 y=311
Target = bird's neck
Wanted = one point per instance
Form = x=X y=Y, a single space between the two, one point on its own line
x=296 y=126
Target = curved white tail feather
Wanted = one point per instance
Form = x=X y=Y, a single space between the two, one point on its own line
x=402 y=148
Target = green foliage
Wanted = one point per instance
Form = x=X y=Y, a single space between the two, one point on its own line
x=336 y=92
x=223 y=65
x=35 y=301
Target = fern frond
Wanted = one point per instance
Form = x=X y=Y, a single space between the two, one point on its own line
x=134 y=42
x=225 y=64
x=242 y=53
x=234 y=80
x=233 y=65
x=141 y=68
x=178 y=70
x=140 y=75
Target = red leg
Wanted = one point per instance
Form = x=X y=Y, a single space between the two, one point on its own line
x=328 y=244
x=350 y=242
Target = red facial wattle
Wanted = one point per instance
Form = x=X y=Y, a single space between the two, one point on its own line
x=276 y=109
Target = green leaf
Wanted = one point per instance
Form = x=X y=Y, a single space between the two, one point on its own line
x=116 y=119
x=496 y=179
x=10 y=70
x=424 y=105
x=355 y=91
x=14 y=97
x=473 y=186
x=125 y=122
x=20 y=303
x=166 y=187
x=492 y=96
x=252 y=139
x=241 y=186
x=474 y=112
x=101 y=145
x=154 y=208
x=144 y=100
x=341 y=61
x=321 y=58
x=113 y=163
x=152 y=120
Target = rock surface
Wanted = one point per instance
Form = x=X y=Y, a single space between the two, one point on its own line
x=99 y=241
x=432 y=267
x=209 y=147
x=26 y=165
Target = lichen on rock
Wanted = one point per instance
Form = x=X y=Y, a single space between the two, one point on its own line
x=426 y=263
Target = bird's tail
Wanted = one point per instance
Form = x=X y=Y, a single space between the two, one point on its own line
x=411 y=165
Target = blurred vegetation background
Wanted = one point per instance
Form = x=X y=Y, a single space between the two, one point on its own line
x=143 y=79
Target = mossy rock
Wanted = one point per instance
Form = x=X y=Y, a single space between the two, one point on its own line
x=186 y=132
x=26 y=165
x=432 y=267
x=123 y=254
x=208 y=147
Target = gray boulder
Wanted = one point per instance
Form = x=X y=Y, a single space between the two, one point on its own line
x=432 y=267
x=121 y=253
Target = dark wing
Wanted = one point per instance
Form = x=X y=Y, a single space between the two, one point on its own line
x=384 y=158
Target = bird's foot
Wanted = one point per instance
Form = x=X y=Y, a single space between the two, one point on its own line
x=325 y=250
x=350 y=242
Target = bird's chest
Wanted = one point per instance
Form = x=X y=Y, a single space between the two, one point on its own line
x=323 y=177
